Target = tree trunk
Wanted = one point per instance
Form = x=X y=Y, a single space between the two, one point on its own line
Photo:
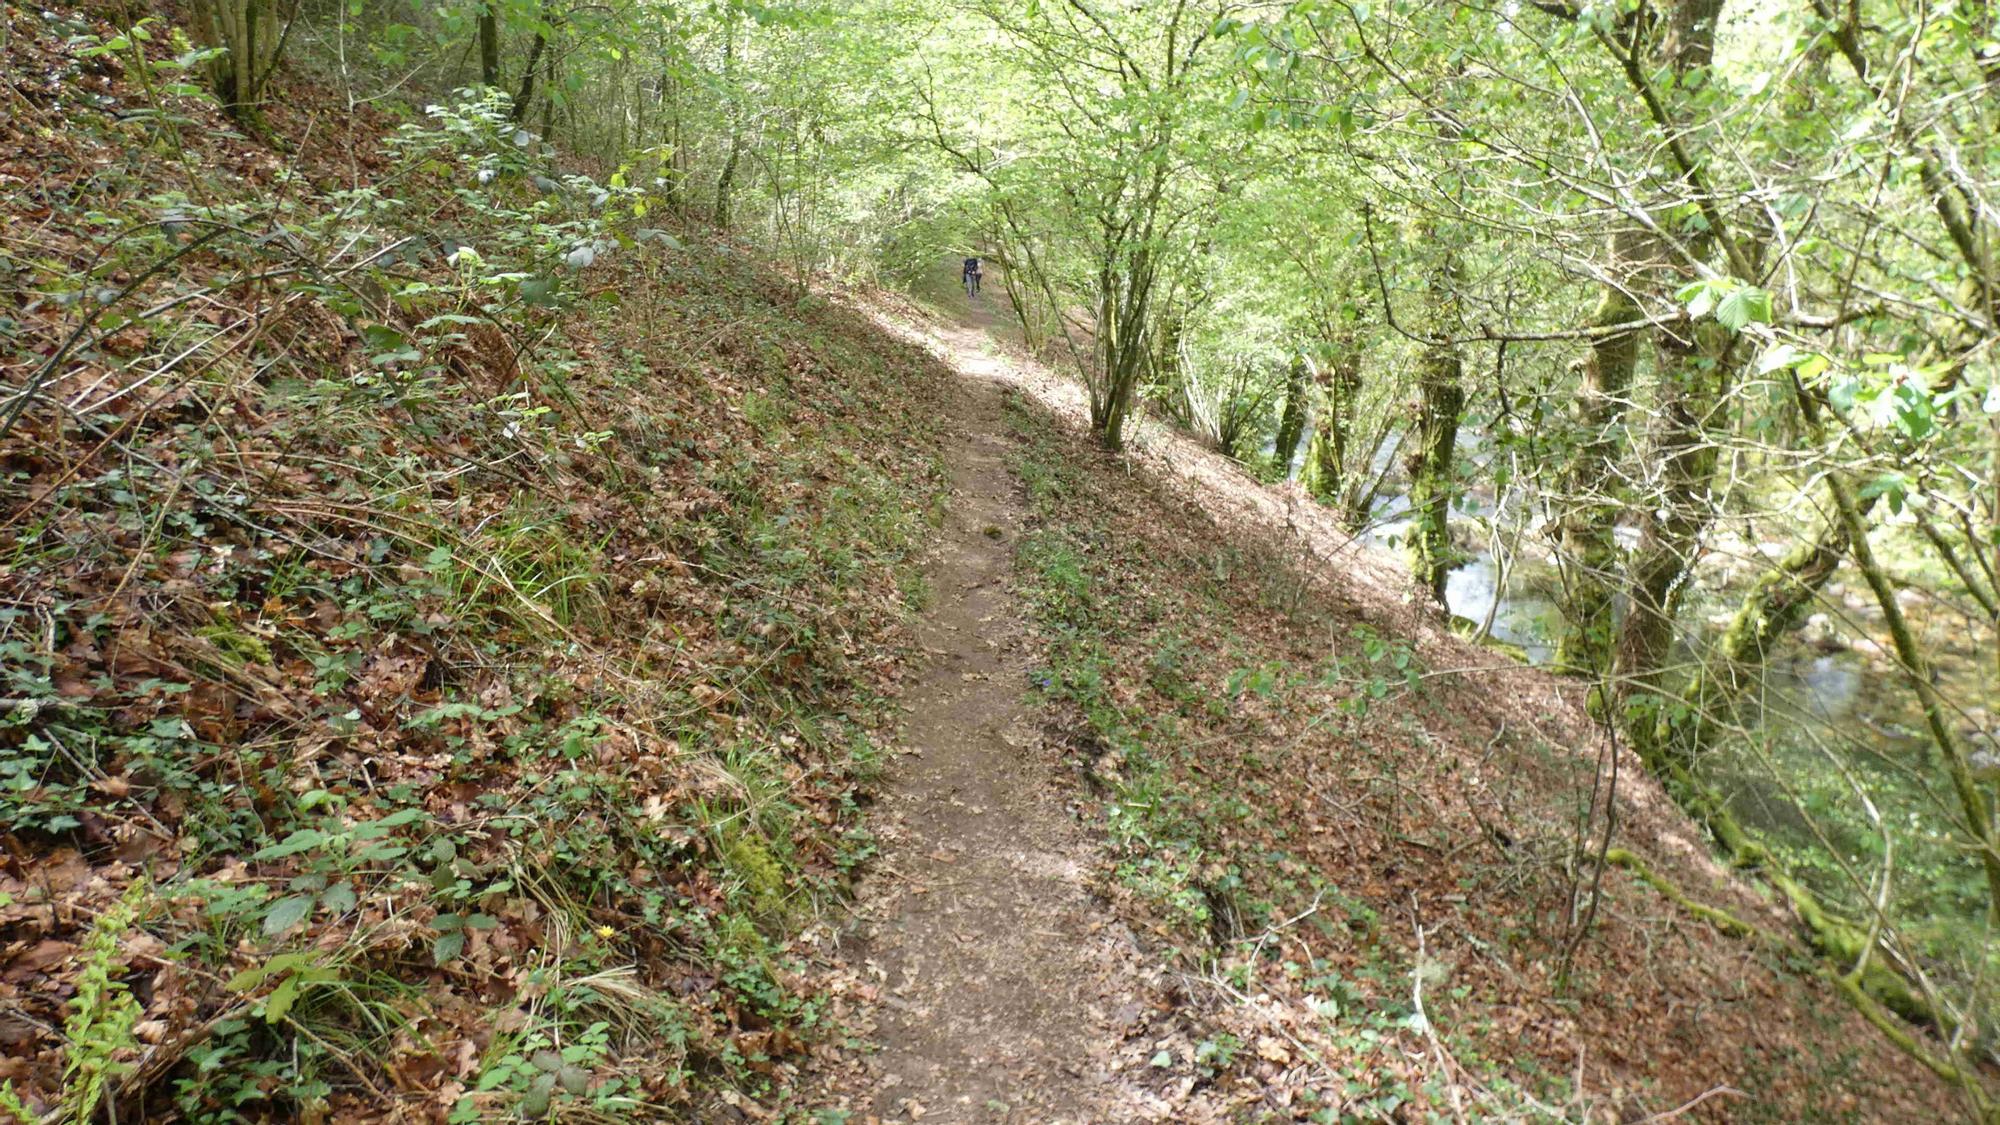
x=1915 y=666
x=676 y=162
x=252 y=35
x=725 y=182
x=526 y=95
x=1690 y=38
x=1167 y=369
x=1591 y=502
x=1340 y=390
x=1694 y=369
x=1021 y=298
x=1292 y=420
x=1775 y=606
x=1441 y=399
x=1124 y=302
x=1672 y=517
x=549 y=95
x=1440 y=384
x=489 y=45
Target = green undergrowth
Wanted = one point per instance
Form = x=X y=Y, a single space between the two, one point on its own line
x=1205 y=852
x=438 y=669
x=1298 y=811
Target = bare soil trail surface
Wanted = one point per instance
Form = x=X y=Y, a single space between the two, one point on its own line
x=1005 y=982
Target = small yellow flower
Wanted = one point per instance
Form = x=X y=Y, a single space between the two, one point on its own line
x=606 y=932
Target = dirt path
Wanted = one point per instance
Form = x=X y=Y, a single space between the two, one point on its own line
x=1007 y=986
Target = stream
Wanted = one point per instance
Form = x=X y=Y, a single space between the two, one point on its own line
x=1825 y=676
x=1826 y=683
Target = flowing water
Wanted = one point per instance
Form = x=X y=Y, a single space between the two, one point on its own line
x=1837 y=766
x=1828 y=682
x=1829 y=685
x=1522 y=615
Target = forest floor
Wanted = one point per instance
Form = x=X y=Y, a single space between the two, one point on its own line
x=558 y=691
x=1135 y=871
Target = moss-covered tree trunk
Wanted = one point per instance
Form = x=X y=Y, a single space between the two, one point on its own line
x=1591 y=501
x=1333 y=479
x=725 y=181
x=1166 y=362
x=489 y=44
x=1292 y=419
x=1694 y=365
x=1125 y=290
x=1674 y=512
x=1775 y=605
x=1432 y=466
x=1974 y=802
x=549 y=61
x=1127 y=270
x=1107 y=352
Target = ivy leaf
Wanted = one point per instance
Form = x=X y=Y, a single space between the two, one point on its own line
x=286 y=913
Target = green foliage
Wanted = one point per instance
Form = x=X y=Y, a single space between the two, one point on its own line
x=1734 y=304
x=533 y=1075
x=1386 y=665
x=98 y=1036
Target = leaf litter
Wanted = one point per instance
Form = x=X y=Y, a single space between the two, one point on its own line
x=476 y=699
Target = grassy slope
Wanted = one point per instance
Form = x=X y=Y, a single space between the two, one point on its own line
x=1289 y=797
x=421 y=687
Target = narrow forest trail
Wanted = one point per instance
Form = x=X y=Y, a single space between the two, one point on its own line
x=1006 y=983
